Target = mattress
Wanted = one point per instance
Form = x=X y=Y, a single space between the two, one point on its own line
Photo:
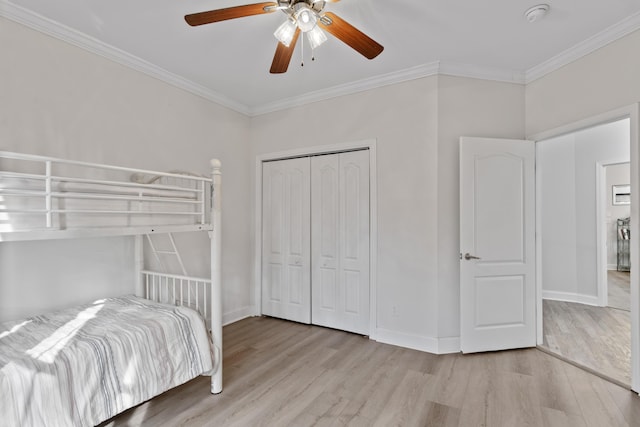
x=81 y=366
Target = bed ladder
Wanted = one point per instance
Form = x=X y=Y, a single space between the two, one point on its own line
x=173 y=251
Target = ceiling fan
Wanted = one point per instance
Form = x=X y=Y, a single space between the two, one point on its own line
x=306 y=16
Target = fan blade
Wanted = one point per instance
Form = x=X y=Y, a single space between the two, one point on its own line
x=283 y=55
x=218 y=15
x=350 y=35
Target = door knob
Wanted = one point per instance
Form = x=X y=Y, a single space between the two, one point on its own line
x=468 y=256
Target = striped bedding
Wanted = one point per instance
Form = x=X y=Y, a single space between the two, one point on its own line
x=81 y=366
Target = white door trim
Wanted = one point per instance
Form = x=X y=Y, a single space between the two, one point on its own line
x=369 y=144
x=633 y=113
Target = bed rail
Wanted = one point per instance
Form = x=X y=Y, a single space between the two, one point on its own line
x=192 y=292
x=43 y=197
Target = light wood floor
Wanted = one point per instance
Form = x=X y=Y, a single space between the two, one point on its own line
x=597 y=337
x=619 y=294
x=279 y=373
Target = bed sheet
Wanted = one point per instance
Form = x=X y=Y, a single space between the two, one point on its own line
x=81 y=366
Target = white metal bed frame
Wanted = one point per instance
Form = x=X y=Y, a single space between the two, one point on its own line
x=190 y=196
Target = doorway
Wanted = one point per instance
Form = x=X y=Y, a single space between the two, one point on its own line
x=573 y=257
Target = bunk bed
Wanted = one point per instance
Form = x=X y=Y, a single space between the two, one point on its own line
x=85 y=364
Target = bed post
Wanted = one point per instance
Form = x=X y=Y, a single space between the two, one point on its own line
x=139 y=261
x=216 y=275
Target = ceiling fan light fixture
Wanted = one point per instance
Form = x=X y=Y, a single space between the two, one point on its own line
x=302 y=16
x=306 y=18
x=316 y=37
x=285 y=32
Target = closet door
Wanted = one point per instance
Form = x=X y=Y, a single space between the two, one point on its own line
x=286 y=285
x=340 y=241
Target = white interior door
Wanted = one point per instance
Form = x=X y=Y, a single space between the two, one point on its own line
x=497 y=232
x=286 y=285
x=340 y=241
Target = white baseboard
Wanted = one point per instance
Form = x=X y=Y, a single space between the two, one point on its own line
x=239 y=314
x=418 y=342
x=570 y=297
x=612 y=267
x=449 y=345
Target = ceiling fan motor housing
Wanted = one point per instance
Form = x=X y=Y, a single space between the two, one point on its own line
x=288 y=5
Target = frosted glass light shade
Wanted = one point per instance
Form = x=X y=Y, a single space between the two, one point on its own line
x=306 y=19
x=285 y=32
x=316 y=37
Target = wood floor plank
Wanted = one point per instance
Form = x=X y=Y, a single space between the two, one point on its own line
x=441 y=416
x=408 y=405
x=627 y=403
x=596 y=404
x=280 y=373
x=553 y=386
x=383 y=383
x=496 y=396
x=556 y=418
x=619 y=290
x=480 y=395
x=452 y=378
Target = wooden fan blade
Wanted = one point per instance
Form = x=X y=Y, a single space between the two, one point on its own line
x=218 y=15
x=350 y=35
x=283 y=55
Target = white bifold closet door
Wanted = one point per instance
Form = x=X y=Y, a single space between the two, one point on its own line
x=340 y=241
x=315 y=240
x=286 y=266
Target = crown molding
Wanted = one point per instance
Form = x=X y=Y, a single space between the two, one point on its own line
x=348 y=88
x=54 y=29
x=593 y=43
x=413 y=73
x=480 y=72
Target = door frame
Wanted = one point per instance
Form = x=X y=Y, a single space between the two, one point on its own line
x=367 y=144
x=602 y=266
x=633 y=113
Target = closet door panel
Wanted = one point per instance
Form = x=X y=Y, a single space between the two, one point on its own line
x=324 y=239
x=354 y=241
x=328 y=290
x=352 y=286
x=273 y=240
x=286 y=277
x=340 y=241
x=298 y=227
x=274 y=284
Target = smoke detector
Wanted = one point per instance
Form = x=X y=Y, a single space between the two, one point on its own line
x=537 y=12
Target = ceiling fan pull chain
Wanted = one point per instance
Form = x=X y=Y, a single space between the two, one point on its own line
x=302 y=51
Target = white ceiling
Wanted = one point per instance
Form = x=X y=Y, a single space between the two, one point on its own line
x=230 y=60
